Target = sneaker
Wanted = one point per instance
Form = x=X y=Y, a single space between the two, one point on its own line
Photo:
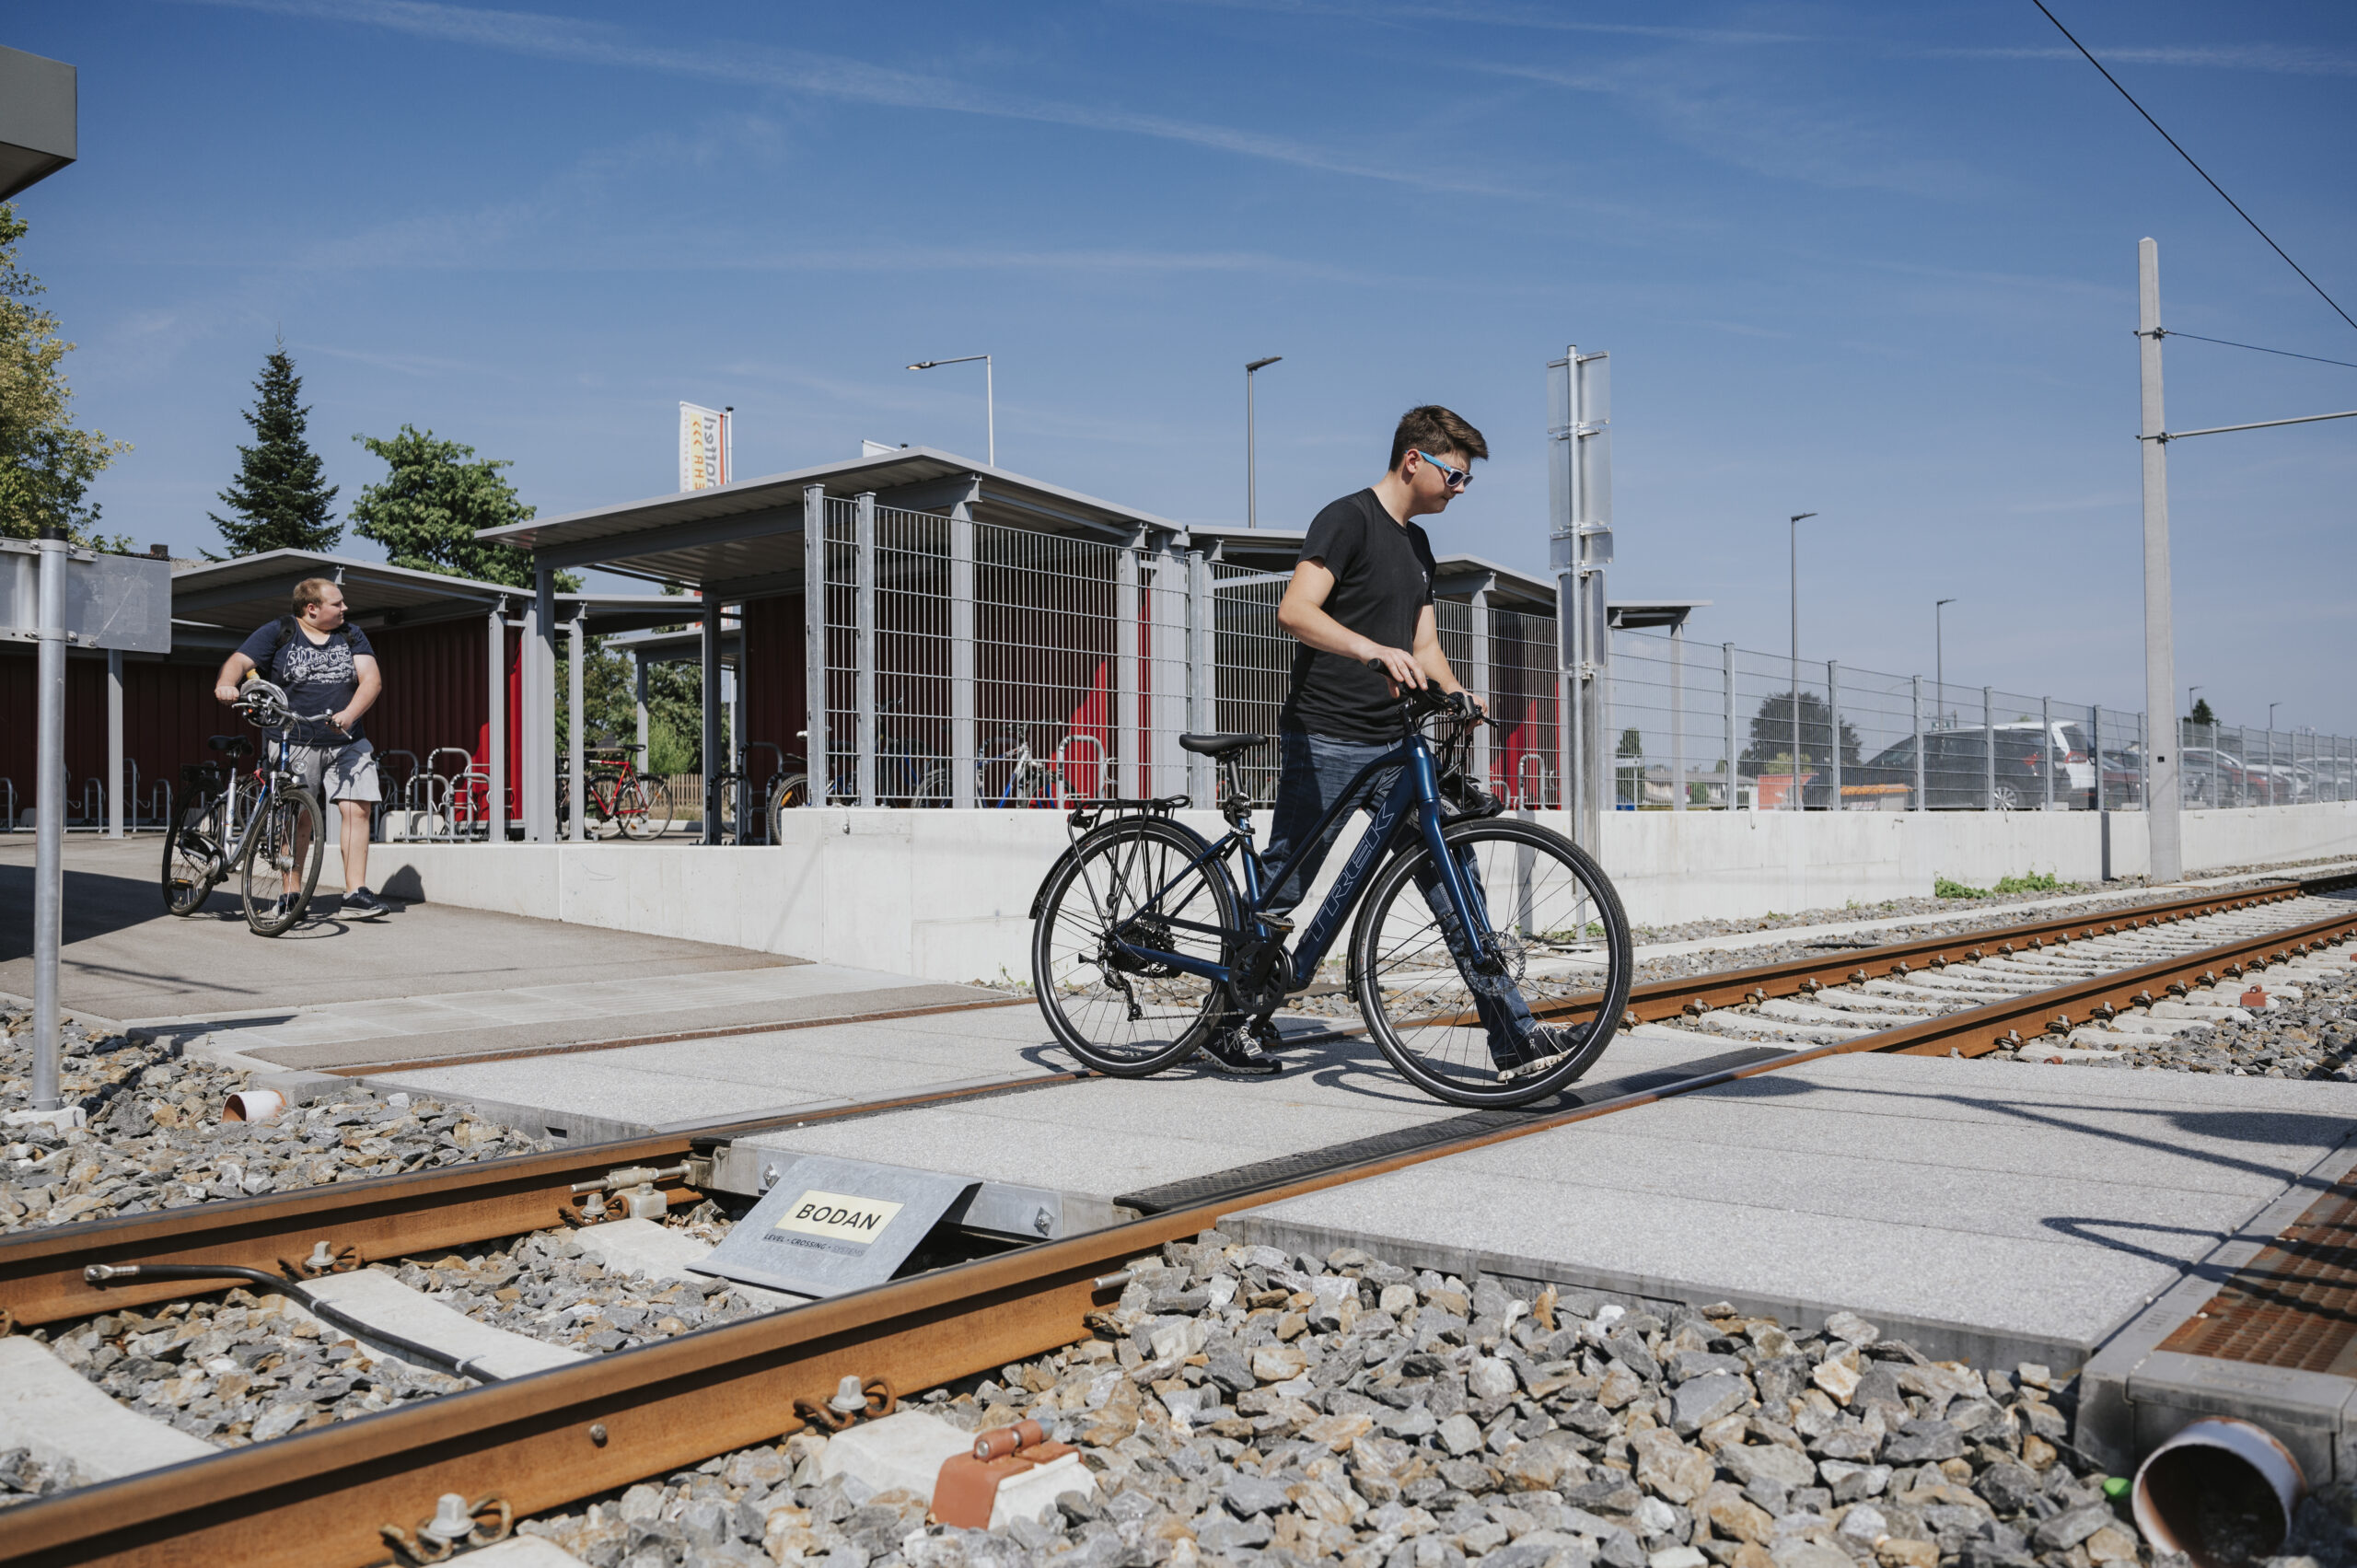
x=289 y=903
x=362 y=904
x=1552 y=1042
x=1231 y=1052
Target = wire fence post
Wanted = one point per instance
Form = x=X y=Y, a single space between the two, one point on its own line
x=864 y=610
x=1833 y=727
x=964 y=753
x=2095 y=755
x=1484 y=685
x=576 y=726
x=494 y=805
x=1915 y=683
x=2046 y=724
x=1726 y=651
x=115 y=745
x=1677 y=716
x=1128 y=727
x=1989 y=748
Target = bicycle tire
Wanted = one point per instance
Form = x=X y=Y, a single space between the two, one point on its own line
x=1419 y=1007
x=193 y=857
x=643 y=806
x=1125 y=1019
x=793 y=792
x=275 y=880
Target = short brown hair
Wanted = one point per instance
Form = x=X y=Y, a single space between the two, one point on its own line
x=1435 y=429
x=311 y=591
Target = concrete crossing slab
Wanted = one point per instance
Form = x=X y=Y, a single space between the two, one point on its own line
x=2001 y=1211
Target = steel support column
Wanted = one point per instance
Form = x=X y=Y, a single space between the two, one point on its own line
x=1727 y=678
x=965 y=747
x=816 y=764
x=1677 y=716
x=1916 y=686
x=864 y=642
x=713 y=761
x=115 y=745
x=494 y=748
x=2046 y=717
x=1131 y=730
x=1833 y=731
x=539 y=696
x=1989 y=748
x=1477 y=678
x=576 y=728
x=1202 y=676
x=638 y=711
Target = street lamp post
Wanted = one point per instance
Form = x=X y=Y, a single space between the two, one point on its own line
x=1798 y=519
x=1251 y=480
x=990 y=401
x=1940 y=651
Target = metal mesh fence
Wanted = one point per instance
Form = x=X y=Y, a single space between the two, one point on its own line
x=1867 y=740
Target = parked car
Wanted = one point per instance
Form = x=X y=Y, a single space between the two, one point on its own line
x=1956 y=771
x=2207 y=777
x=2123 y=778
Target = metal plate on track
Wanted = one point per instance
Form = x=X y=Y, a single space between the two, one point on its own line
x=832 y=1225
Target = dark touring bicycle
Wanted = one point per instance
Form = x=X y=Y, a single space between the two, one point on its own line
x=1490 y=958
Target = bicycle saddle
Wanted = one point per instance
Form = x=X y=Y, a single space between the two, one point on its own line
x=1218 y=745
x=234 y=745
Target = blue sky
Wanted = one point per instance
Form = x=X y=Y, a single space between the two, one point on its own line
x=1872 y=261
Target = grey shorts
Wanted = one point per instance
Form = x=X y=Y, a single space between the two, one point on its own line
x=348 y=772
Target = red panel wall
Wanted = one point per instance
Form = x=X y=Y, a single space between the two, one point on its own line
x=776 y=694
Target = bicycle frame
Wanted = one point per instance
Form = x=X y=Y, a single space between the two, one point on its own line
x=1418 y=785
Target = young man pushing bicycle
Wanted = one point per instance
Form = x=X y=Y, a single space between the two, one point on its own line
x=1360 y=604
x=327 y=666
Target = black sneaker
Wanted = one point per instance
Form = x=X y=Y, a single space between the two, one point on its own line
x=362 y=904
x=1549 y=1044
x=1231 y=1052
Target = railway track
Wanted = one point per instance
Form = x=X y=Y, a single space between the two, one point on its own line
x=577 y=1430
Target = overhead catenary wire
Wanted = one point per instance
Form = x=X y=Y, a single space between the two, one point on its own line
x=2229 y=342
x=2188 y=156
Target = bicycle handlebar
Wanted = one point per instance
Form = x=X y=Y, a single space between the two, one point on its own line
x=265 y=703
x=1415 y=702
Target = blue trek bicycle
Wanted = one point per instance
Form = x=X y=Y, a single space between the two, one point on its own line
x=1490 y=958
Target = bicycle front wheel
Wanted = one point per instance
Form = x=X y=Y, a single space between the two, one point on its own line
x=1538 y=1010
x=1138 y=883
x=644 y=807
x=282 y=864
x=192 y=856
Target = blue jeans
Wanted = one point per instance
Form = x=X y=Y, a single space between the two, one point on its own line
x=1313 y=773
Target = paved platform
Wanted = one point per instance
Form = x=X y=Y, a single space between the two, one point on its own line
x=424 y=982
x=2000 y=1211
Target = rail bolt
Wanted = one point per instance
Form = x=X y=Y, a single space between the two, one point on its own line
x=2176 y=988
x=1939 y=960
x=2144 y=999
x=1857 y=977
x=1973 y=954
x=2006 y=949
x=2059 y=1025
x=1695 y=1007
x=1629 y=1019
x=2035 y=944
x=1901 y=968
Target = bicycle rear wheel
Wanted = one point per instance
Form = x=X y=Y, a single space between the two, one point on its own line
x=282 y=864
x=1563 y=950
x=1137 y=882
x=192 y=855
x=643 y=806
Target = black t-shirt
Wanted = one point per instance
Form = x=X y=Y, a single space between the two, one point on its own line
x=318 y=678
x=1383 y=579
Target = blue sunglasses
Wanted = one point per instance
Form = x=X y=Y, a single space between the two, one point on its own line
x=1457 y=479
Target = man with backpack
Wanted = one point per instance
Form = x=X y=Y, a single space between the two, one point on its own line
x=324 y=666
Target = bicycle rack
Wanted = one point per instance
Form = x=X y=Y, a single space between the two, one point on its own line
x=1532 y=767
x=777 y=777
x=1063 y=755
x=10 y=786
x=443 y=792
x=392 y=822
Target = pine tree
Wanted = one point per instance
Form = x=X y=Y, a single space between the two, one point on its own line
x=2201 y=713
x=277 y=497
x=428 y=511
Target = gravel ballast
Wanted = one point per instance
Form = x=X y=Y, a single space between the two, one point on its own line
x=1240 y=1405
x=158 y=1138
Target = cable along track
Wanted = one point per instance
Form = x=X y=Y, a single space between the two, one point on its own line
x=546 y=1439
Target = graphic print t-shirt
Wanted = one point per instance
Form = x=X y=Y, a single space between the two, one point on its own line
x=318 y=678
x=1383 y=579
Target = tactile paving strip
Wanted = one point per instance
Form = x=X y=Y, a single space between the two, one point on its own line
x=2294 y=1305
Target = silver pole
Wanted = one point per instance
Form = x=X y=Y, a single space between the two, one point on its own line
x=1252 y=460
x=990 y=411
x=2162 y=806
x=114 y=743
x=1796 y=541
x=816 y=668
x=1989 y=748
x=2095 y=751
x=1833 y=731
x=49 y=842
x=2046 y=712
x=540 y=698
x=638 y=708
x=713 y=762
x=863 y=643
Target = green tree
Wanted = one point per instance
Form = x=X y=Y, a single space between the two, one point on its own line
x=1633 y=744
x=2201 y=713
x=1771 y=734
x=279 y=499
x=46 y=465
x=428 y=511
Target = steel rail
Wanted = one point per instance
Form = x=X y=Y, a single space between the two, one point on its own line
x=318 y=1498
x=40 y=1272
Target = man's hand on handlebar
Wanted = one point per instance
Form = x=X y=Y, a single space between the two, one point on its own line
x=1398 y=666
x=225 y=692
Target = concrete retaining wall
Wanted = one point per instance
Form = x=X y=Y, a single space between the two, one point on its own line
x=947 y=895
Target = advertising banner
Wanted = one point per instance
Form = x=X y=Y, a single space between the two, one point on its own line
x=703 y=446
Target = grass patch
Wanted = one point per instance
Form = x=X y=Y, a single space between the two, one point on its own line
x=2036 y=882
